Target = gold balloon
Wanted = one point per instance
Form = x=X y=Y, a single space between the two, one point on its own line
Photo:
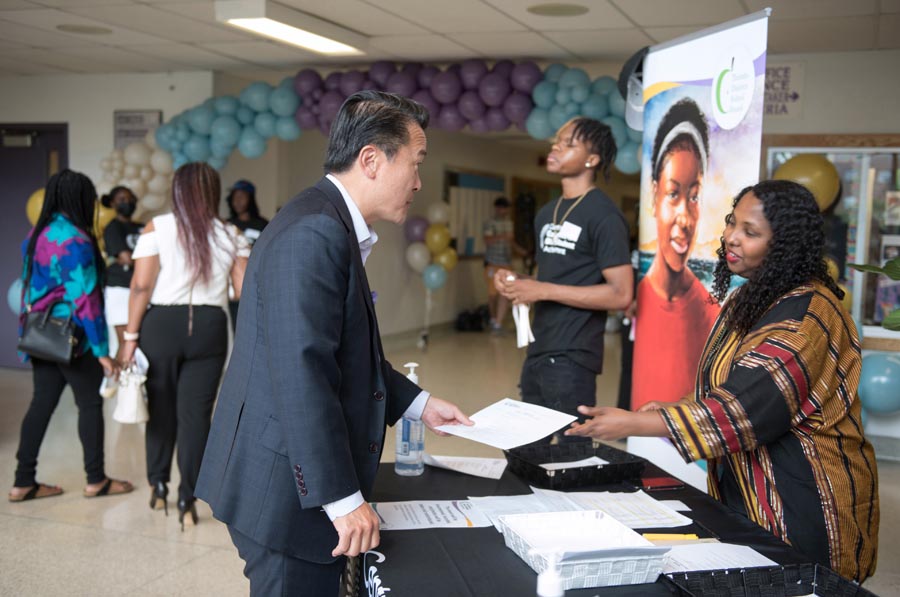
x=847 y=301
x=816 y=173
x=34 y=205
x=833 y=270
x=447 y=258
x=102 y=217
x=437 y=238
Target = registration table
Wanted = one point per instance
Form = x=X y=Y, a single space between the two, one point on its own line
x=476 y=563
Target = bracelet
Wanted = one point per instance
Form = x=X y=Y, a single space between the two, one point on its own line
x=131 y=336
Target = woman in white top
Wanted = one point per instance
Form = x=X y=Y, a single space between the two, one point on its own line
x=183 y=262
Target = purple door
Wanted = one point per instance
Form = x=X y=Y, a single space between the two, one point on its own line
x=29 y=154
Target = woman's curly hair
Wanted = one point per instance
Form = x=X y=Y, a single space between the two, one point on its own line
x=795 y=258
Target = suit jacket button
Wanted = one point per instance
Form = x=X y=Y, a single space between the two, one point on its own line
x=373 y=447
x=303 y=491
x=379 y=395
x=297 y=467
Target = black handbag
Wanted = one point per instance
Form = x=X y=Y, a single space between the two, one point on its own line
x=47 y=337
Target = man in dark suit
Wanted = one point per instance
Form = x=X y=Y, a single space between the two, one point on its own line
x=299 y=427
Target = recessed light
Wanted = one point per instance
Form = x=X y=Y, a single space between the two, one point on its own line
x=84 y=29
x=557 y=9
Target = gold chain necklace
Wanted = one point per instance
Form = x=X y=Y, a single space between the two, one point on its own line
x=571 y=207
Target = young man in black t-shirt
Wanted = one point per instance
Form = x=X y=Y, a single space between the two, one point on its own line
x=584 y=270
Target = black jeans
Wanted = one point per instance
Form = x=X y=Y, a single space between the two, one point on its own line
x=84 y=374
x=558 y=382
x=181 y=387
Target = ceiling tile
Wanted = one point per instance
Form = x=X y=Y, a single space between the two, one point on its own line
x=602 y=44
x=16 y=5
x=359 y=16
x=817 y=9
x=39 y=38
x=889 y=32
x=662 y=13
x=19 y=65
x=663 y=34
x=63 y=60
x=819 y=35
x=48 y=19
x=890 y=5
x=75 y=3
x=190 y=55
x=458 y=16
x=262 y=52
x=600 y=15
x=511 y=44
x=125 y=60
x=422 y=47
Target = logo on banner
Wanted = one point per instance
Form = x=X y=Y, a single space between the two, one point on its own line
x=374 y=587
x=732 y=89
x=559 y=239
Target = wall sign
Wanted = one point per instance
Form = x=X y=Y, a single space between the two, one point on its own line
x=784 y=90
x=133 y=125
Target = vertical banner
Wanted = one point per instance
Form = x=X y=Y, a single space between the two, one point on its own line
x=703 y=109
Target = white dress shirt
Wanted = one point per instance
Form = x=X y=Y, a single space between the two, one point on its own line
x=366 y=237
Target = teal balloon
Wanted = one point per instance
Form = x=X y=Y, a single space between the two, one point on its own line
x=605 y=86
x=287 y=82
x=220 y=150
x=209 y=103
x=226 y=104
x=616 y=104
x=256 y=96
x=164 y=135
x=879 y=383
x=182 y=132
x=859 y=329
x=200 y=119
x=179 y=160
x=434 y=276
x=225 y=130
x=264 y=123
x=574 y=77
x=245 y=115
x=618 y=128
x=216 y=162
x=595 y=107
x=864 y=415
x=555 y=72
x=573 y=109
x=287 y=129
x=580 y=93
x=627 y=159
x=563 y=96
x=544 y=94
x=251 y=144
x=633 y=135
x=559 y=115
x=283 y=101
x=538 y=124
x=14 y=296
x=196 y=149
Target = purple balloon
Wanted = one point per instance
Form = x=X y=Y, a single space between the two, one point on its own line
x=496 y=120
x=306 y=80
x=471 y=72
x=316 y=94
x=525 y=76
x=470 y=105
x=493 y=89
x=454 y=68
x=423 y=96
x=446 y=87
x=325 y=127
x=412 y=68
x=479 y=125
x=415 y=228
x=330 y=104
x=401 y=83
x=426 y=75
x=351 y=82
x=450 y=119
x=503 y=68
x=381 y=70
x=315 y=109
x=333 y=81
x=369 y=84
x=305 y=118
x=517 y=107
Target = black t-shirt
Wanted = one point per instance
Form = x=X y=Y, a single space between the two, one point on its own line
x=251 y=228
x=120 y=236
x=575 y=252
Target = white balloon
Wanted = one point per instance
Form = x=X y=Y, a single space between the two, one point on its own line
x=153 y=201
x=117 y=155
x=137 y=154
x=150 y=139
x=105 y=164
x=110 y=177
x=138 y=187
x=158 y=185
x=418 y=257
x=146 y=173
x=438 y=213
x=104 y=187
x=161 y=162
x=130 y=171
x=117 y=167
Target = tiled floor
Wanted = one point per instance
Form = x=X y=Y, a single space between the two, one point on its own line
x=118 y=546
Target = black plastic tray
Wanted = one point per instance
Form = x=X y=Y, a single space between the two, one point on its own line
x=776 y=581
x=525 y=463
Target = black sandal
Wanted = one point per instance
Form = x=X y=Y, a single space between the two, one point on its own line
x=33 y=493
x=105 y=490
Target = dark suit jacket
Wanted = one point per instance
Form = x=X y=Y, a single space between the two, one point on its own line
x=301 y=415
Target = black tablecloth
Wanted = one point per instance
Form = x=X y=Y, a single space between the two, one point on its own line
x=476 y=563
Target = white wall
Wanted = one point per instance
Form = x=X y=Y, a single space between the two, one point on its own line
x=87 y=102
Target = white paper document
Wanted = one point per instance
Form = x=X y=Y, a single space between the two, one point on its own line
x=489 y=468
x=558 y=466
x=676 y=505
x=691 y=557
x=509 y=423
x=434 y=514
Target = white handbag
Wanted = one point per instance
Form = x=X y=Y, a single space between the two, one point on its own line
x=131 y=405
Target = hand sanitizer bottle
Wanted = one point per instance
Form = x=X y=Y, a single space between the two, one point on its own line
x=409 y=461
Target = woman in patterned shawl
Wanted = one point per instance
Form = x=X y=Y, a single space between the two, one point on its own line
x=775 y=409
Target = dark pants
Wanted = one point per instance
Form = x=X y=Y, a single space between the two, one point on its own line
x=84 y=374
x=273 y=573
x=558 y=382
x=181 y=387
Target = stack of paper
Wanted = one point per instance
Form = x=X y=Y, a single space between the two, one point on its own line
x=509 y=424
